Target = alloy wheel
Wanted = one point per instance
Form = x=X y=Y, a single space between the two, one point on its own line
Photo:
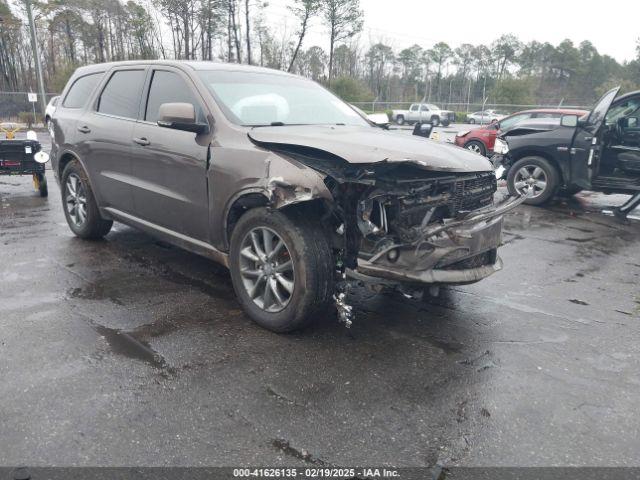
x=530 y=177
x=266 y=269
x=474 y=147
x=76 y=200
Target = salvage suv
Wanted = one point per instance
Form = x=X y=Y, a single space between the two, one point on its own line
x=274 y=177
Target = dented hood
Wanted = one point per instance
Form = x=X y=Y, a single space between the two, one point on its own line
x=373 y=145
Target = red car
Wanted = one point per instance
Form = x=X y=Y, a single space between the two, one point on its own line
x=481 y=140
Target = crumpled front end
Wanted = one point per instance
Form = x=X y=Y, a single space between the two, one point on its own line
x=458 y=251
x=402 y=222
x=430 y=228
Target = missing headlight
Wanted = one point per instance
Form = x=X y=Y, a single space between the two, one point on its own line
x=372 y=217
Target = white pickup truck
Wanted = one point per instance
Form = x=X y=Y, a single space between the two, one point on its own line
x=423 y=112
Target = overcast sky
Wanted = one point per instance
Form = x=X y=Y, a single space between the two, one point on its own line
x=613 y=26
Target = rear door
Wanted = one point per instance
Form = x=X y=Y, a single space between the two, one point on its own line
x=104 y=137
x=586 y=143
x=170 y=166
x=63 y=126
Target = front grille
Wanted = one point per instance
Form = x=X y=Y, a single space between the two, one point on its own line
x=475 y=192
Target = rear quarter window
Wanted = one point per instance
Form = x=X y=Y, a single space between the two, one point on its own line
x=81 y=90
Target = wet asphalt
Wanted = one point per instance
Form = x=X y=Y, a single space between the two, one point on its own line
x=128 y=351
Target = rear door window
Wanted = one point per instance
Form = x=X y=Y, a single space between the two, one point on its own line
x=169 y=87
x=81 y=90
x=121 y=96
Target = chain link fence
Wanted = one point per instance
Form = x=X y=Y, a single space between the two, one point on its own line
x=15 y=107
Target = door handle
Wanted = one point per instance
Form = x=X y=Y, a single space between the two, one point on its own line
x=142 y=141
x=84 y=129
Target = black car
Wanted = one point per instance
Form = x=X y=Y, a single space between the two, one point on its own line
x=599 y=152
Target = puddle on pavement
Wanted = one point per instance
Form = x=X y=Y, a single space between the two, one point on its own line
x=124 y=343
x=95 y=291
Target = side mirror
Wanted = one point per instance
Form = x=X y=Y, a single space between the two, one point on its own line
x=180 y=116
x=569 y=121
x=423 y=129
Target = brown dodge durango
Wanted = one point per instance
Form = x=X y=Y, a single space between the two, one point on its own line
x=274 y=177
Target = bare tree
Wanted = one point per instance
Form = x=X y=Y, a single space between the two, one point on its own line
x=343 y=18
x=304 y=10
x=440 y=55
x=247 y=30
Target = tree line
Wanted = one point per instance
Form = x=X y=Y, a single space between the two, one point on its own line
x=72 y=33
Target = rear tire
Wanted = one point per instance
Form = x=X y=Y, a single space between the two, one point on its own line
x=400 y=119
x=310 y=278
x=537 y=173
x=446 y=123
x=85 y=222
x=435 y=121
x=472 y=121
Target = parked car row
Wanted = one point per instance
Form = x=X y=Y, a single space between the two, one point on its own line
x=484 y=117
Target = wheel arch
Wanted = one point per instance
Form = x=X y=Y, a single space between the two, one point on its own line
x=64 y=160
x=258 y=197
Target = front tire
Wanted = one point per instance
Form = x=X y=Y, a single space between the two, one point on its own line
x=472 y=121
x=535 y=173
x=446 y=123
x=435 y=121
x=79 y=204
x=400 y=119
x=281 y=267
x=476 y=147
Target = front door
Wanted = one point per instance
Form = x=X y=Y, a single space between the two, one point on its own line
x=170 y=166
x=586 y=144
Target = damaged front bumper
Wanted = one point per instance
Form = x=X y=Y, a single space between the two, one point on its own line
x=457 y=251
x=499 y=162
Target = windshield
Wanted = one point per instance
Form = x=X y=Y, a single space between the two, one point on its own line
x=513 y=120
x=260 y=99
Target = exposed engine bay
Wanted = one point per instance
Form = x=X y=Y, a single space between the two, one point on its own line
x=400 y=222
